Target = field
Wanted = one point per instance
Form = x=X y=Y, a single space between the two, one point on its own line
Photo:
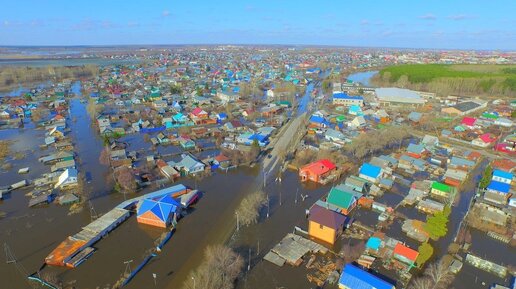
x=493 y=80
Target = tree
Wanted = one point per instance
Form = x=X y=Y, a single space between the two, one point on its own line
x=105 y=157
x=219 y=270
x=249 y=209
x=425 y=251
x=437 y=225
x=486 y=177
x=125 y=178
x=175 y=89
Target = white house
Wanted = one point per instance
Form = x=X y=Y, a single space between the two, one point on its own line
x=504 y=122
x=358 y=121
x=67 y=178
x=502 y=177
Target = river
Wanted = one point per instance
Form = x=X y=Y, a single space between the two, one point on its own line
x=67 y=62
x=363 y=77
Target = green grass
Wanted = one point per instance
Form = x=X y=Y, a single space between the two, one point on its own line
x=487 y=75
x=424 y=73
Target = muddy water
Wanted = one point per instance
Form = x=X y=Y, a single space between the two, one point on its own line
x=33 y=233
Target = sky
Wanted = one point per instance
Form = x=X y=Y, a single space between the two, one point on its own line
x=449 y=24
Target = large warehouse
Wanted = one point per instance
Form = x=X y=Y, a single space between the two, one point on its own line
x=398 y=96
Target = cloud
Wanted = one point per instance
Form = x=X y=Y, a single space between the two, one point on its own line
x=459 y=17
x=428 y=16
x=165 y=13
x=364 y=22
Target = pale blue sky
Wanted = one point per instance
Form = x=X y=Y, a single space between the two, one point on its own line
x=469 y=24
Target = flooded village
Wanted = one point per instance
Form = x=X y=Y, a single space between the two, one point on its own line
x=304 y=172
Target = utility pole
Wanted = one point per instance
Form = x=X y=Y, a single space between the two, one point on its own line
x=297 y=191
x=280 y=197
x=258 y=251
x=154 y=277
x=249 y=265
x=268 y=206
x=238 y=225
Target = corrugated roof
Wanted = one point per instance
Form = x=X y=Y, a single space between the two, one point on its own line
x=356 y=278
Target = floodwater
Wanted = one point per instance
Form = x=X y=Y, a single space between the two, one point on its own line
x=67 y=62
x=363 y=77
x=33 y=233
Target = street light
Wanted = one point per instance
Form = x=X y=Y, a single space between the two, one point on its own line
x=193 y=282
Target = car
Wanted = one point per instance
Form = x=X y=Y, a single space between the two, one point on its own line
x=269 y=156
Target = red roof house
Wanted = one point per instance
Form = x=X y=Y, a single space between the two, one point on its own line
x=405 y=254
x=469 y=122
x=199 y=113
x=317 y=171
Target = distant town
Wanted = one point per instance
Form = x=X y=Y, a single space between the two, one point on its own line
x=255 y=166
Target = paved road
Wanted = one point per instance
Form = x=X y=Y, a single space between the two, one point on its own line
x=281 y=145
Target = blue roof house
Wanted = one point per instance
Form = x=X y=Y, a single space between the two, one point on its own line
x=370 y=172
x=355 y=110
x=341 y=98
x=374 y=243
x=353 y=277
x=319 y=121
x=498 y=187
x=502 y=176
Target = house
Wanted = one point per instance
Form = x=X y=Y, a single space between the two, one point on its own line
x=186 y=143
x=188 y=165
x=430 y=141
x=498 y=187
x=341 y=98
x=335 y=136
x=353 y=277
x=430 y=206
x=415 y=116
x=405 y=254
x=222 y=160
x=440 y=190
x=504 y=122
x=158 y=213
x=370 y=172
x=469 y=122
x=358 y=184
x=67 y=178
x=464 y=108
x=355 y=110
x=484 y=140
x=344 y=197
x=325 y=225
x=373 y=244
x=198 y=113
x=502 y=176
x=318 y=122
x=317 y=171
x=415 y=151
x=227 y=97
x=166 y=170
x=358 y=121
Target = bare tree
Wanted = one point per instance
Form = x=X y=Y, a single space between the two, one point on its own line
x=249 y=209
x=219 y=270
x=105 y=157
x=125 y=178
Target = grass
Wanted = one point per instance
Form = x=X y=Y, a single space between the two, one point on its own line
x=423 y=73
x=481 y=78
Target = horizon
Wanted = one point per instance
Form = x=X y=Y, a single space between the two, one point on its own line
x=461 y=25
